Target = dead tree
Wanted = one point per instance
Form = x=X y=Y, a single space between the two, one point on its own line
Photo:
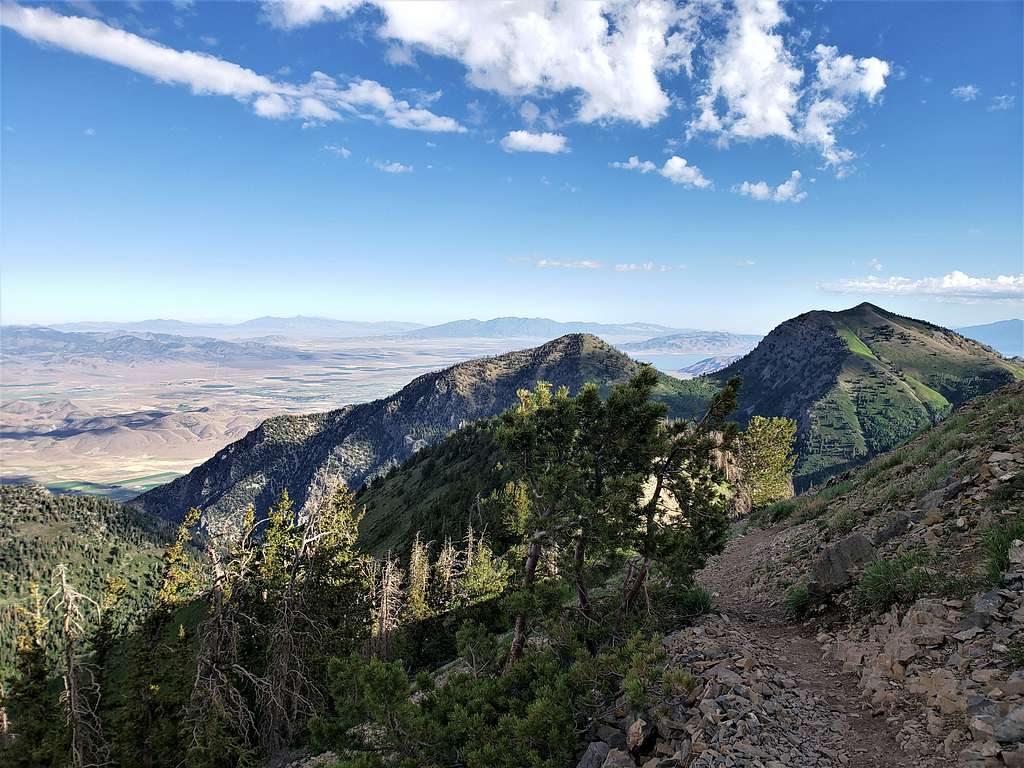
x=81 y=694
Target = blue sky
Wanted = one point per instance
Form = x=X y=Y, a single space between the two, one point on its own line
x=429 y=162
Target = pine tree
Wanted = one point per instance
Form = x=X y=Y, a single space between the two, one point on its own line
x=445 y=581
x=39 y=733
x=417 y=606
x=180 y=581
x=321 y=612
x=766 y=459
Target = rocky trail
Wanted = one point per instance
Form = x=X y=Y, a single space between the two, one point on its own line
x=819 y=717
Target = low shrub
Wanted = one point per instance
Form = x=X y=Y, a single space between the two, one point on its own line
x=899 y=579
x=798 y=601
x=995 y=544
x=843 y=522
x=773 y=514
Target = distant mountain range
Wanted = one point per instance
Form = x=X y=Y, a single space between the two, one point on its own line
x=860 y=381
x=19 y=342
x=533 y=328
x=1004 y=336
x=297 y=327
x=300 y=327
x=690 y=341
x=706 y=366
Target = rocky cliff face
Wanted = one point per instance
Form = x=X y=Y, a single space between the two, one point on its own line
x=361 y=441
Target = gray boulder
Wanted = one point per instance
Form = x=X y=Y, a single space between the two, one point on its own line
x=839 y=564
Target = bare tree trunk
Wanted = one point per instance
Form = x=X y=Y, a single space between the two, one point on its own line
x=87 y=745
x=519 y=633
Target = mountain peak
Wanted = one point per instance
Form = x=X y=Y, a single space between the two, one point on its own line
x=361 y=441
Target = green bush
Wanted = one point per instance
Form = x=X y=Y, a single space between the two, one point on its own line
x=798 y=601
x=900 y=579
x=695 y=601
x=843 y=522
x=773 y=513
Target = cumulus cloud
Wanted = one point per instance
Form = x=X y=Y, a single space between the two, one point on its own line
x=392 y=167
x=322 y=99
x=525 y=141
x=609 y=53
x=787 y=192
x=634 y=163
x=676 y=169
x=875 y=264
x=956 y=285
x=966 y=92
x=1001 y=103
x=756 y=87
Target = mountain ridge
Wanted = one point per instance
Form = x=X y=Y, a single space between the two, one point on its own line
x=859 y=380
x=362 y=441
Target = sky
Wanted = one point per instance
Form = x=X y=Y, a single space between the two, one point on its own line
x=708 y=164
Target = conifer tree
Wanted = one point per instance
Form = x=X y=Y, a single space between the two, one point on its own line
x=766 y=459
x=321 y=611
x=38 y=726
x=417 y=606
x=180 y=581
x=445 y=581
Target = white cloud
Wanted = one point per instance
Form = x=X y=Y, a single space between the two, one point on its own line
x=399 y=56
x=966 y=92
x=648 y=266
x=89 y=131
x=675 y=169
x=392 y=167
x=529 y=112
x=956 y=285
x=634 y=163
x=557 y=264
x=525 y=141
x=745 y=263
x=678 y=171
x=339 y=150
x=1000 y=103
x=787 y=191
x=321 y=99
x=208 y=40
x=755 y=87
x=609 y=53
x=875 y=264
x=752 y=76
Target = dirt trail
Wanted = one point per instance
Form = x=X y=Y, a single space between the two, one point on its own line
x=867 y=736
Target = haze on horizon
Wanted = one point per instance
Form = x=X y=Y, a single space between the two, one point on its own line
x=699 y=165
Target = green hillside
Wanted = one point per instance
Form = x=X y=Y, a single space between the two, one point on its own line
x=860 y=381
x=94 y=537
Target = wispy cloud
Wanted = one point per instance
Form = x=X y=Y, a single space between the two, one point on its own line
x=321 y=99
x=956 y=285
x=1001 y=103
x=339 y=150
x=966 y=92
x=391 y=167
x=648 y=266
x=787 y=192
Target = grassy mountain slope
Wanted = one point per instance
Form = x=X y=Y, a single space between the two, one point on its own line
x=362 y=441
x=94 y=537
x=860 y=381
